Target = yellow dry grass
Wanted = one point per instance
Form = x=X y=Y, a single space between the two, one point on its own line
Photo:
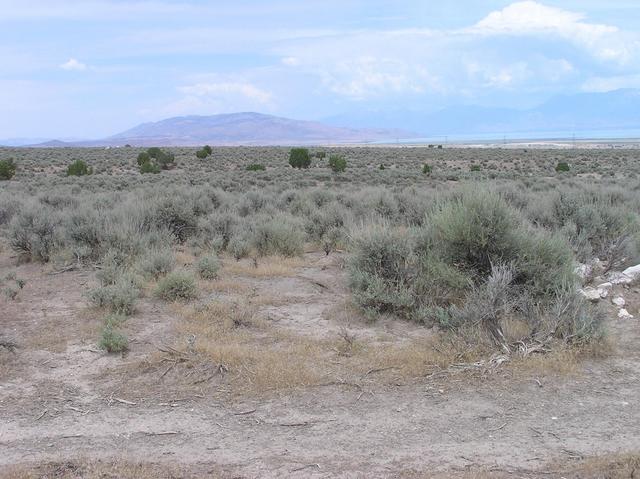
x=270 y=266
x=114 y=468
x=608 y=466
x=261 y=358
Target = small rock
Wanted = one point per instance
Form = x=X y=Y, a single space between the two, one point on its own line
x=606 y=285
x=590 y=293
x=627 y=276
x=583 y=270
x=624 y=314
x=619 y=301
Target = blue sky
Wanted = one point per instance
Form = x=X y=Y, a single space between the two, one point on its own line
x=94 y=67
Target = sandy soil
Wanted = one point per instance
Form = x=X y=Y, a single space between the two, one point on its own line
x=62 y=399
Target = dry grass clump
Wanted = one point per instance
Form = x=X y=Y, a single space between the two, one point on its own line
x=112 y=468
x=259 y=358
x=607 y=466
x=269 y=266
x=232 y=335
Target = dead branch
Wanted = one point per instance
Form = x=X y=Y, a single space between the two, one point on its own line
x=378 y=370
x=11 y=346
x=306 y=467
x=244 y=413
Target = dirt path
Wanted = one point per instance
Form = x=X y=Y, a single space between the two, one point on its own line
x=53 y=407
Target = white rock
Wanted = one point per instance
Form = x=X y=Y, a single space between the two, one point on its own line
x=627 y=276
x=632 y=271
x=607 y=285
x=583 y=270
x=590 y=293
x=624 y=314
x=619 y=301
x=603 y=292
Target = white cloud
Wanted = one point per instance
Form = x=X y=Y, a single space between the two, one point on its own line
x=290 y=61
x=368 y=76
x=223 y=89
x=529 y=17
x=604 y=84
x=73 y=65
x=211 y=97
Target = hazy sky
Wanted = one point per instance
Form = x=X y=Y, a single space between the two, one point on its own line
x=94 y=67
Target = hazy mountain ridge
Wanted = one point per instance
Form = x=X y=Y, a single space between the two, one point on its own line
x=239 y=129
x=617 y=109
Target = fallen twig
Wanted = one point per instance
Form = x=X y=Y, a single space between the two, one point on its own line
x=378 y=370
x=243 y=413
x=498 y=428
x=306 y=467
x=162 y=433
x=42 y=415
x=124 y=401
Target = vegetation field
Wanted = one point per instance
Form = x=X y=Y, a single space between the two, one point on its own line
x=398 y=312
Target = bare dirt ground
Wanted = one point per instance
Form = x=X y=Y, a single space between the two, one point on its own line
x=301 y=390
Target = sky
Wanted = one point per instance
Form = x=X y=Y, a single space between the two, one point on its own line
x=92 y=68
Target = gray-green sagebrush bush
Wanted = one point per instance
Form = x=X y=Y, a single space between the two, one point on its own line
x=208 y=266
x=34 y=232
x=177 y=286
x=597 y=224
x=119 y=297
x=472 y=262
x=278 y=235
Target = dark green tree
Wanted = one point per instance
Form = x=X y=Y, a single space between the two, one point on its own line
x=337 y=163
x=7 y=169
x=79 y=168
x=299 y=158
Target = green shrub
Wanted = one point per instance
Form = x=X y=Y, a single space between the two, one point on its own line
x=178 y=285
x=201 y=154
x=113 y=341
x=79 y=168
x=321 y=155
x=337 y=163
x=219 y=224
x=155 y=160
x=207 y=149
x=594 y=222
x=7 y=169
x=149 y=167
x=255 y=167
x=119 y=297
x=208 y=266
x=174 y=213
x=426 y=169
x=562 y=166
x=330 y=240
x=157 y=262
x=474 y=168
x=143 y=158
x=381 y=167
x=278 y=236
x=472 y=246
x=299 y=158
x=33 y=232
x=239 y=248
x=166 y=160
x=382 y=269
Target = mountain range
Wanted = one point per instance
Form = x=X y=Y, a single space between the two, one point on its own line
x=582 y=112
x=615 y=111
x=245 y=128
